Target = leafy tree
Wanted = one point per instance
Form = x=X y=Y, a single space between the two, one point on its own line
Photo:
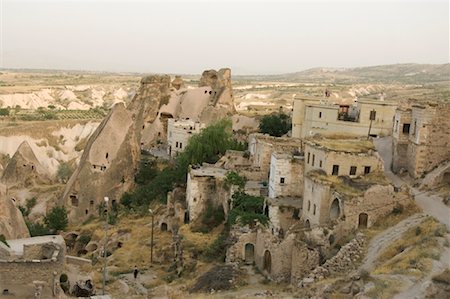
x=64 y=172
x=207 y=146
x=275 y=124
x=4 y=111
x=147 y=172
x=57 y=220
x=234 y=179
x=246 y=209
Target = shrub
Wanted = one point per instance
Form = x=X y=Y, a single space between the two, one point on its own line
x=275 y=125
x=234 y=179
x=57 y=220
x=37 y=229
x=64 y=172
x=246 y=209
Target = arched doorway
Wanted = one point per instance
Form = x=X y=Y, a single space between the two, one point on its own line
x=362 y=220
x=249 y=253
x=307 y=224
x=267 y=261
x=163 y=227
x=335 y=210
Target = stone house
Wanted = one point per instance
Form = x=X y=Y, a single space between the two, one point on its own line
x=315 y=115
x=285 y=259
x=27 y=265
x=205 y=188
x=179 y=132
x=261 y=147
x=349 y=156
x=421 y=139
x=286 y=175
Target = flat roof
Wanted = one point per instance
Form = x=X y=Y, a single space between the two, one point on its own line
x=17 y=245
x=344 y=144
x=209 y=171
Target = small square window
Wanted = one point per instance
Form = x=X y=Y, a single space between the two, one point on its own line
x=281 y=180
x=352 y=170
x=366 y=169
x=320 y=163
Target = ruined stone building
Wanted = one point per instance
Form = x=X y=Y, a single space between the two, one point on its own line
x=261 y=147
x=205 y=189
x=333 y=187
x=421 y=138
x=322 y=116
x=178 y=134
x=32 y=264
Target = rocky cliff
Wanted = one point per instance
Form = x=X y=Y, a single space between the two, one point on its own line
x=24 y=169
x=111 y=156
x=12 y=224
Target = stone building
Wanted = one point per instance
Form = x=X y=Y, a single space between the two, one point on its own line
x=179 y=132
x=205 y=188
x=285 y=259
x=322 y=116
x=350 y=156
x=339 y=181
x=261 y=147
x=30 y=265
x=286 y=175
x=421 y=139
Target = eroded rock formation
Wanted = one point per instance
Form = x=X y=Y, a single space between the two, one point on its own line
x=12 y=224
x=24 y=169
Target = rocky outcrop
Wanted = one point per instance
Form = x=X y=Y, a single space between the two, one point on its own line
x=12 y=224
x=178 y=83
x=112 y=154
x=24 y=169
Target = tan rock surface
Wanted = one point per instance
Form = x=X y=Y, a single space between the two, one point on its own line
x=12 y=224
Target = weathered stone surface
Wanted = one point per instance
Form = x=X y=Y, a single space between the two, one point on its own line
x=112 y=154
x=12 y=224
x=24 y=169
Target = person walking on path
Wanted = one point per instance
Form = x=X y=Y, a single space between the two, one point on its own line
x=135 y=272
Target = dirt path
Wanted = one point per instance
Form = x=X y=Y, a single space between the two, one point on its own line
x=386 y=238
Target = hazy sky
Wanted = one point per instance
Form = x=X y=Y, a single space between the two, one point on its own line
x=251 y=37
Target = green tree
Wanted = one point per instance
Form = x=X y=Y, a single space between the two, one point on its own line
x=275 y=124
x=64 y=172
x=207 y=146
x=57 y=220
x=246 y=209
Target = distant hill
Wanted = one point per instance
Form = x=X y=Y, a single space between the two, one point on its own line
x=386 y=74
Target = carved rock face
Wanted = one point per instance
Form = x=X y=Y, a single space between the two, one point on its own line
x=12 y=224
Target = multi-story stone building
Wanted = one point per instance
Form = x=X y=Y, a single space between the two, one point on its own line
x=179 y=132
x=361 y=118
x=421 y=138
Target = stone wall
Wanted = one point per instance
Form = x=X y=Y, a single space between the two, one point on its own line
x=344 y=261
x=286 y=175
x=429 y=139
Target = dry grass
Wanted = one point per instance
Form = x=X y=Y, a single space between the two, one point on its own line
x=413 y=254
x=350 y=145
x=384 y=289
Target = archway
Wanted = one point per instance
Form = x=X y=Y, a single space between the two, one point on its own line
x=267 y=261
x=307 y=224
x=163 y=227
x=362 y=220
x=249 y=253
x=335 y=210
